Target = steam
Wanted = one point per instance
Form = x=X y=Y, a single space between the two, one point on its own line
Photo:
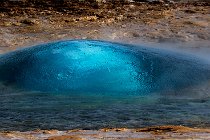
x=198 y=48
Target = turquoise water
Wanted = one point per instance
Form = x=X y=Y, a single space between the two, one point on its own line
x=94 y=84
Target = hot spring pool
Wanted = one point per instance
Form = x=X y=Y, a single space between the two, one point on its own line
x=88 y=84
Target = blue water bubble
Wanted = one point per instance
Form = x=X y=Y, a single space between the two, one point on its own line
x=97 y=66
x=89 y=84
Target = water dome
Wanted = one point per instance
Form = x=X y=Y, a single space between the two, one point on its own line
x=97 y=66
x=90 y=84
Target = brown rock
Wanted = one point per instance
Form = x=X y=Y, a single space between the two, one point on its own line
x=113 y=129
x=50 y=131
x=17 y=24
x=88 y=18
x=170 y=128
x=29 y=21
x=134 y=34
x=65 y=137
x=190 y=11
x=7 y=24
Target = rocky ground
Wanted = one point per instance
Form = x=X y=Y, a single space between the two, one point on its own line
x=163 y=132
x=27 y=24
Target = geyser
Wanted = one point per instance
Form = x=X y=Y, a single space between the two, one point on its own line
x=88 y=84
x=96 y=66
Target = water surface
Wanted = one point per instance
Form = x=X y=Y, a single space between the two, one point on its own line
x=94 y=84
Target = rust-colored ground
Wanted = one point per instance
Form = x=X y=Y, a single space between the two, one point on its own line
x=25 y=25
x=150 y=133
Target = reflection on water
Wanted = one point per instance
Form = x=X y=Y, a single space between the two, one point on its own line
x=94 y=84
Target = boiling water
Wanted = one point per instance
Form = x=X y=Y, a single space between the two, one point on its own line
x=94 y=84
